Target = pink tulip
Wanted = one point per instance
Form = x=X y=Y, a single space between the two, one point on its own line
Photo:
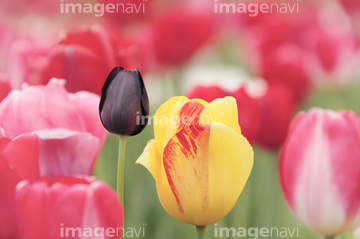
x=47 y=208
x=43 y=153
x=48 y=107
x=68 y=129
x=320 y=170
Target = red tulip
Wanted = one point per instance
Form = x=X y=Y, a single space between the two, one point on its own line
x=287 y=66
x=207 y=93
x=179 y=33
x=84 y=57
x=249 y=113
x=277 y=107
x=320 y=170
x=47 y=207
x=248 y=109
x=130 y=11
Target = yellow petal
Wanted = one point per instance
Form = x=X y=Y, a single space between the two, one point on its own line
x=206 y=168
x=149 y=159
x=152 y=162
x=162 y=119
x=222 y=110
x=231 y=158
x=201 y=101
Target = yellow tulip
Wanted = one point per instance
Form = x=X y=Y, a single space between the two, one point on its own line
x=199 y=158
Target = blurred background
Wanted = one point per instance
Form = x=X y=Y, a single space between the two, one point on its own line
x=305 y=54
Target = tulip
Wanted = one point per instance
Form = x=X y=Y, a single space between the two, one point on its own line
x=248 y=109
x=48 y=107
x=69 y=132
x=287 y=66
x=48 y=152
x=83 y=57
x=124 y=107
x=200 y=161
x=207 y=93
x=319 y=170
x=124 y=104
x=179 y=33
x=61 y=203
x=277 y=108
x=249 y=113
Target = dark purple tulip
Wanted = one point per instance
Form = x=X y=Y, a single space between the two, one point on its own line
x=124 y=104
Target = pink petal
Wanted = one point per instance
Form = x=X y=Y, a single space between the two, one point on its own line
x=65 y=152
x=87 y=106
x=8 y=180
x=66 y=202
x=22 y=153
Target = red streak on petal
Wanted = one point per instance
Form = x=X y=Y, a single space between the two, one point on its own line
x=189 y=114
x=190 y=144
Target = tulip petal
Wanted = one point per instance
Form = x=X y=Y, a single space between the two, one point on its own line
x=149 y=159
x=65 y=152
x=161 y=124
x=222 y=110
x=8 y=180
x=201 y=101
x=24 y=161
x=231 y=159
x=85 y=102
x=205 y=186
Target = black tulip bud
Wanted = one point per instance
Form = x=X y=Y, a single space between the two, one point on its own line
x=124 y=104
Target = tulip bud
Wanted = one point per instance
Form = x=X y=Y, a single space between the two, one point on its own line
x=124 y=104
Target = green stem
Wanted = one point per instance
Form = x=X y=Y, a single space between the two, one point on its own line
x=329 y=237
x=120 y=169
x=200 y=231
